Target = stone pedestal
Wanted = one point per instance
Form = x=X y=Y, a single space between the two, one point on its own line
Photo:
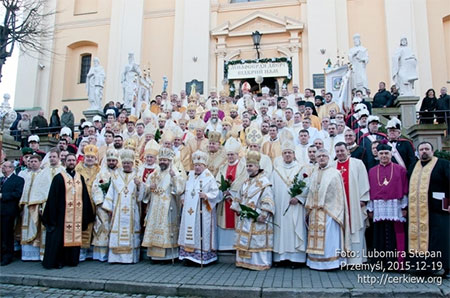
x=89 y=114
x=407 y=106
x=10 y=146
x=433 y=133
x=46 y=143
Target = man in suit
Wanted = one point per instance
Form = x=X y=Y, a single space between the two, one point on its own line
x=11 y=190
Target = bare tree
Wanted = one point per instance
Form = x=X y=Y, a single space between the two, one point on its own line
x=25 y=24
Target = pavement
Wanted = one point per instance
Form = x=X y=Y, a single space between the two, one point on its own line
x=222 y=280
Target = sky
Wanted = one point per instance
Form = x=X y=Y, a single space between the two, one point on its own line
x=9 y=73
x=9 y=69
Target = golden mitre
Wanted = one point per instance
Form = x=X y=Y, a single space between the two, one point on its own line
x=149 y=130
x=253 y=157
x=130 y=143
x=214 y=136
x=232 y=146
x=132 y=118
x=90 y=150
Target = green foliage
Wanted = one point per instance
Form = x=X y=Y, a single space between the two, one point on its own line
x=297 y=186
x=224 y=184
x=104 y=186
x=442 y=154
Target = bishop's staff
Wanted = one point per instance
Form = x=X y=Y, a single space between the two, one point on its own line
x=201 y=225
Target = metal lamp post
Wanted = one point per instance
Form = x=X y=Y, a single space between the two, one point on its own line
x=256 y=36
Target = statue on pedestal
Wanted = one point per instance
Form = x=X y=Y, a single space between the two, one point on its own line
x=95 y=82
x=145 y=92
x=130 y=84
x=358 y=57
x=404 y=68
x=165 y=83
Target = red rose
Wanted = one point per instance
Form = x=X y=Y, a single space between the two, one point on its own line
x=101 y=181
x=229 y=177
x=305 y=175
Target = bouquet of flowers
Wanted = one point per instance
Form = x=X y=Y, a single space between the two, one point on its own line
x=247 y=212
x=297 y=188
x=104 y=186
x=225 y=184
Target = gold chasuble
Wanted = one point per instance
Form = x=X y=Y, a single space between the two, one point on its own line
x=74 y=210
x=89 y=174
x=418 y=205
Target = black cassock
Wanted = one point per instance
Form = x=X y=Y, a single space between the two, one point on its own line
x=56 y=255
x=439 y=220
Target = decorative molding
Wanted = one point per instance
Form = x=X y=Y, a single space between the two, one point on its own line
x=159 y=13
x=261 y=4
x=83 y=23
x=284 y=25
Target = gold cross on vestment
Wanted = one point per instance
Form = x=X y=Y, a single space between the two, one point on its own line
x=342 y=170
x=125 y=209
x=69 y=226
x=70 y=204
x=78 y=204
x=190 y=211
x=78 y=226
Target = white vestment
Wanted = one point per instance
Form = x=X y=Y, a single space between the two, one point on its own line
x=102 y=224
x=290 y=228
x=163 y=213
x=254 y=240
x=43 y=181
x=301 y=153
x=191 y=248
x=31 y=221
x=328 y=219
x=123 y=200
x=359 y=187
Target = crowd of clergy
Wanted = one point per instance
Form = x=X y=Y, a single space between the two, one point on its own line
x=288 y=180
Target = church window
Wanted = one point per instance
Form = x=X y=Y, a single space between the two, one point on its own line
x=85 y=66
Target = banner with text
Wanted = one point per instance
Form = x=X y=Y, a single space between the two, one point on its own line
x=264 y=69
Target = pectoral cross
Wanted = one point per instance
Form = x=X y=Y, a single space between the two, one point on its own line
x=385 y=182
x=126 y=190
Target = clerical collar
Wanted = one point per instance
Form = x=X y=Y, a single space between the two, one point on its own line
x=149 y=166
x=289 y=165
x=273 y=140
x=259 y=172
x=385 y=164
x=71 y=172
x=324 y=168
x=344 y=160
x=352 y=146
x=234 y=163
x=424 y=162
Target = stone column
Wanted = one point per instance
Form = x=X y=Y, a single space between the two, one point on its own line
x=433 y=133
x=294 y=46
x=407 y=106
x=221 y=52
x=125 y=36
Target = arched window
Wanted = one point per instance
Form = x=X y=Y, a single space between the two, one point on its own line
x=85 y=66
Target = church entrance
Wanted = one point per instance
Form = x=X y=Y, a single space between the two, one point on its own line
x=271 y=83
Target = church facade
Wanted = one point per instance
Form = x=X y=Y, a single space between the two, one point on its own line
x=210 y=41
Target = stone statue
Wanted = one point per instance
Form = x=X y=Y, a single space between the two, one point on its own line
x=358 y=57
x=95 y=82
x=404 y=68
x=130 y=83
x=145 y=92
x=7 y=114
x=165 y=83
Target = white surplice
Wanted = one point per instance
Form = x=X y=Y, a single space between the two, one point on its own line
x=191 y=247
x=290 y=234
x=123 y=200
